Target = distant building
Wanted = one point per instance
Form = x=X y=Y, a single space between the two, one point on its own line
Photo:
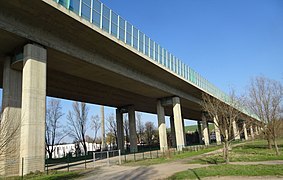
x=61 y=150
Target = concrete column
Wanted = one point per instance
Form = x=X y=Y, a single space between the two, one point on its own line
x=173 y=134
x=178 y=123
x=184 y=130
x=217 y=131
x=200 y=132
x=205 y=130
x=236 y=133
x=208 y=131
x=120 y=130
x=32 y=147
x=252 y=132
x=256 y=130
x=11 y=120
x=161 y=127
x=245 y=131
x=102 y=128
x=133 y=132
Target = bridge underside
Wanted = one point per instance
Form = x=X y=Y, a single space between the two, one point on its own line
x=72 y=77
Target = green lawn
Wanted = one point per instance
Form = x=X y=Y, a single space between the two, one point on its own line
x=248 y=152
x=172 y=157
x=230 y=170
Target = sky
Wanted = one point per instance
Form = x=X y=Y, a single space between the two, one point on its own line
x=227 y=42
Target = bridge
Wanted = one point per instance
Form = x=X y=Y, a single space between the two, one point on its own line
x=82 y=50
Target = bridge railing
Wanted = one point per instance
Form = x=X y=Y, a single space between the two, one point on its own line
x=104 y=18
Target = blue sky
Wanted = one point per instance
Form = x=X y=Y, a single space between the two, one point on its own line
x=227 y=42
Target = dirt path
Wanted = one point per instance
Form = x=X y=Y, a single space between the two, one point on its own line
x=165 y=170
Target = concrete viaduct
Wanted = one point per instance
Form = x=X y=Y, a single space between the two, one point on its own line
x=81 y=50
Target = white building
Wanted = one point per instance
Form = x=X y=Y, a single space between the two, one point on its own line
x=63 y=149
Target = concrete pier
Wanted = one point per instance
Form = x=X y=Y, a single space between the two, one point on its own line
x=120 y=130
x=11 y=119
x=200 y=132
x=178 y=123
x=102 y=127
x=217 y=131
x=236 y=132
x=245 y=131
x=32 y=146
x=252 y=132
x=205 y=130
x=161 y=127
x=173 y=134
x=133 y=132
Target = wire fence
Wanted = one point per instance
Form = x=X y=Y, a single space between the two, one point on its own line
x=90 y=160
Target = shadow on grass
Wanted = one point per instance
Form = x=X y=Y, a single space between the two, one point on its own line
x=197 y=176
x=212 y=160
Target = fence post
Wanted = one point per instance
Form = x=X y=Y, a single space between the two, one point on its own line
x=150 y=153
x=108 y=160
x=157 y=153
x=125 y=155
x=68 y=162
x=134 y=156
x=85 y=160
x=46 y=166
x=22 y=168
x=120 y=161
x=143 y=155
x=93 y=159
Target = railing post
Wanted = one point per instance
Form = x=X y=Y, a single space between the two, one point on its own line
x=68 y=162
x=120 y=161
x=108 y=160
x=85 y=160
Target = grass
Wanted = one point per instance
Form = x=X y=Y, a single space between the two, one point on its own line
x=230 y=170
x=172 y=157
x=53 y=175
x=249 y=152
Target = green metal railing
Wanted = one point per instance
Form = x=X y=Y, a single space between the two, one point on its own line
x=103 y=17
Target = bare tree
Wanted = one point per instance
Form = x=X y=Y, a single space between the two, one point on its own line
x=224 y=114
x=149 y=132
x=126 y=127
x=140 y=126
x=77 y=122
x=95 y=124
x=112 y=128
x=10 y=124
x=265 y=100
x=54 y=132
